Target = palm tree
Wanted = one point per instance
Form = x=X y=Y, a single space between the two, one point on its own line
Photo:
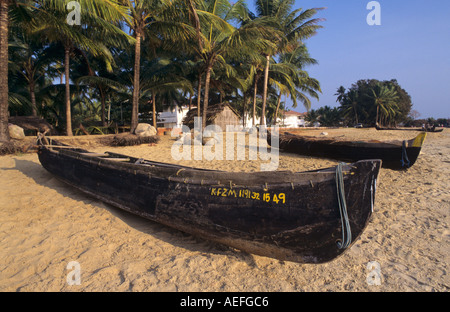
x=140 y=16
x=384 y=99
x=220 y=39
x=340 y=93
x=164 y=77
x=256 y=73
x=117 y=85
x=30 y=60
x=295 y=26
x=4 y=31
x=329 y=117
x=304 y=86
x=153 y=21
x=52 y=25
x=350 y=104
x=236 y=85
x=282 y=75
x=312 y=116
x=106 y=83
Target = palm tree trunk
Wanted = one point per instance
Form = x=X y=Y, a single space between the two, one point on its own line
x=376 y=118
x=195 y=22
x=356 y=115
x=193 y=16
x=31 y=86
x=255 y=93
x=137 y=65
x=190 y=100
x=103 y=100
x=154 y=108
x=205 y=98
x=244 y=109
x=4 y=132
x=276 y=110
x=67 y=82
x=199 y=93
x=266 y=81
x=33 y=98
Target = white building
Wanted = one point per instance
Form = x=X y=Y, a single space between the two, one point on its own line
x=249 y=121
x=292 y=119
x=172 y=117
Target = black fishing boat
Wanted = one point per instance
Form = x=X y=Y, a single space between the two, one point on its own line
x=306 y=217
x=424 y=129
x=394 y=154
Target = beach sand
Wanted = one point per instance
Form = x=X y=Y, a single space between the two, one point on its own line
x=45 y=224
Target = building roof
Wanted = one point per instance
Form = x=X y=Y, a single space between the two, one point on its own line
x=292 y=113
x=212 y=113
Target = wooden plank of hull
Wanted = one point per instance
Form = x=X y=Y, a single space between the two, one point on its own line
x=295 y=221
x=389 y=152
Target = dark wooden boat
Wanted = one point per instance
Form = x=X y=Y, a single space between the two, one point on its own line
x=394 y=154
x=433 y=129
x=306 y=217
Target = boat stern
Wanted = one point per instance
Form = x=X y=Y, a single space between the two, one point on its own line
x=418 y=141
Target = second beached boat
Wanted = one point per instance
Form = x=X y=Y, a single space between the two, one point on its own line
x=394 y=154
x=432 y=129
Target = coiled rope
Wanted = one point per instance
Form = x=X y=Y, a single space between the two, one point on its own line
x=346 y=230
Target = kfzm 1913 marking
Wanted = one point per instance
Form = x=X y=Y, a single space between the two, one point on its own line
x=278 y=198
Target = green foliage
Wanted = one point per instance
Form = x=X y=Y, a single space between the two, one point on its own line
x=372 y=101
x=292 y=28
x=326 y=116
x=181 y=42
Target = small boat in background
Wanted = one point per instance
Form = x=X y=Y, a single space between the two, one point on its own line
x=306 y=217
x=394 y=154
x=435 y=130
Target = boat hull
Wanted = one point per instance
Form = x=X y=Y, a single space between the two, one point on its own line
x=432 y=130
x=259 y=213
x=392 y=154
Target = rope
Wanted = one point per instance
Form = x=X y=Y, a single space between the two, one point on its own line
x=346 y=230
x=179 y=171
x=405 y=161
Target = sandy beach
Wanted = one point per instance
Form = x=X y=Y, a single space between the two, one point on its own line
x=45 y=224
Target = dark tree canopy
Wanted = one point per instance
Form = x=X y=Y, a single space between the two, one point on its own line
x=358 y=103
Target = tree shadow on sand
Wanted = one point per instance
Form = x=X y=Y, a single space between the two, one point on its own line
x=146 y=226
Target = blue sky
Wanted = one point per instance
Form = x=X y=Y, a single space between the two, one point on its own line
x=412 y=45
